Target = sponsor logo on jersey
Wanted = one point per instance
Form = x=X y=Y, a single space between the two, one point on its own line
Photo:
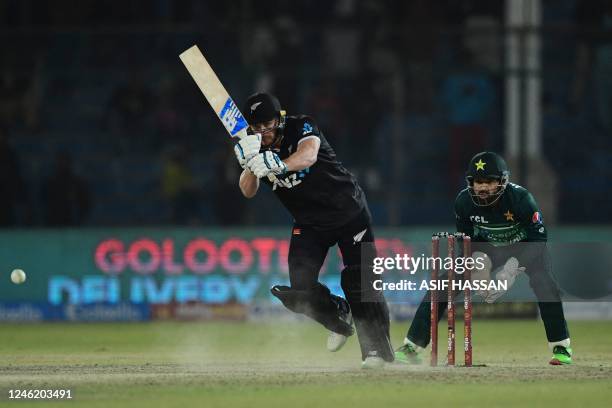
x=306 y=129
x=231 y=117
x=501 y=235
x=287 y=182
x=291 y=180
x=536 y=218
x=478 y=218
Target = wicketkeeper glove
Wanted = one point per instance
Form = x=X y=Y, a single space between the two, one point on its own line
x=508 y=273
x=484 y=273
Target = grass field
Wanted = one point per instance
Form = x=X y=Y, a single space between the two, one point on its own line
x=267 y=365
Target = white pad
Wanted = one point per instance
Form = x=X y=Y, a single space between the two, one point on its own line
x=565 y=343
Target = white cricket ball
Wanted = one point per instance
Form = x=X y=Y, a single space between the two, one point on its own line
x=18 y=276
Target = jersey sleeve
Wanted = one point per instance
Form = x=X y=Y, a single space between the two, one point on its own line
x=307 y=129
x=531 y=219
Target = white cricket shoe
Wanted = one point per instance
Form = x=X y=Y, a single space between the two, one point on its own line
x=335 y=341
x=372 y=363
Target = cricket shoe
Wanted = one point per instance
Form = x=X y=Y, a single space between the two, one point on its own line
x=407 y=354
x=335 y=341
x=561 y=356
x=373 y=361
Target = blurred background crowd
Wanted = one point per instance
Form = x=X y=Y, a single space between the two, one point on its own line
x=101 y=125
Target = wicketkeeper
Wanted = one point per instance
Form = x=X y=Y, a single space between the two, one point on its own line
x=508 y=231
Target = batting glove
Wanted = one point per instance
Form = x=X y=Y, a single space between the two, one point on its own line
x=266 y=163
x=247 y=148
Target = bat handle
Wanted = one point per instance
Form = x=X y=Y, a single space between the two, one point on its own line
x=244 y=133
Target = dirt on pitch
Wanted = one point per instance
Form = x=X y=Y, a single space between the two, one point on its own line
x=158 y=364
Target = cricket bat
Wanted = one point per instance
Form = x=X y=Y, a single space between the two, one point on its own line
x=216 y=95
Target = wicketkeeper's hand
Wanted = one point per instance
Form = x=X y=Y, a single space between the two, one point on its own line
x=247 y=148
x=508 y=273
x=482 y=274
x=266 y=163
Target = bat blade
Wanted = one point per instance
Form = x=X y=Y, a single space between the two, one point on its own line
x=214 y=92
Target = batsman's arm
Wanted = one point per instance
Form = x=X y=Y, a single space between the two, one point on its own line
x=305 y=155
x=248 y=183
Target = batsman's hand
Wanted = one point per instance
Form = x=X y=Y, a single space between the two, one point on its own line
x=266 y=163
x=247 y=148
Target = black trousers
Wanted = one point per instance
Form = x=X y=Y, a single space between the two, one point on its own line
x=534 y=256
x=308 y=248
x=307 y=252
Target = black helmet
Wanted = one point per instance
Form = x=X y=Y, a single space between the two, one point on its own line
x=487 y=165
x=263 y=107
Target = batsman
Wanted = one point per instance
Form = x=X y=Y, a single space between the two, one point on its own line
x=508 y=232
x=291 y=155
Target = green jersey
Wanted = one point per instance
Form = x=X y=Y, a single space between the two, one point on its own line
x=515 y=217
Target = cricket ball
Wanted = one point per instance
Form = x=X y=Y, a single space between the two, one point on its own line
x=18 y=276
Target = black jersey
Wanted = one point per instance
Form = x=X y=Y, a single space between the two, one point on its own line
x=323 y=196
